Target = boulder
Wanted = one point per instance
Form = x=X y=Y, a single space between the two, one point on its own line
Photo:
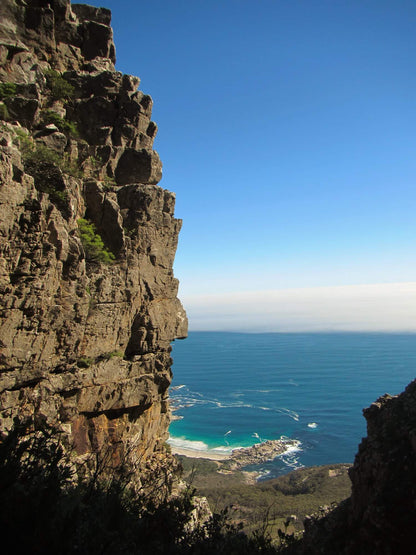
x=138 y=166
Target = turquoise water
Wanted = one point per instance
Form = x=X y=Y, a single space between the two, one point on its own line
x=234 y=389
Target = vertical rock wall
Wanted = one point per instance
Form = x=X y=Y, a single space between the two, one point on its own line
x=380 y=516
x=85 y=341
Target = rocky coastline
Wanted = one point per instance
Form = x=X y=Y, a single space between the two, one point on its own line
x=259 y=453
x=243 y=456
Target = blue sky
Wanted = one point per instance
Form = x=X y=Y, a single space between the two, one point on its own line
x=287 y=131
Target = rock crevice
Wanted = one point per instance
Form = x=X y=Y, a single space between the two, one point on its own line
x=88 y=310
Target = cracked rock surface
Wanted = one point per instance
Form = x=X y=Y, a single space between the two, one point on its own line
x=85 y=343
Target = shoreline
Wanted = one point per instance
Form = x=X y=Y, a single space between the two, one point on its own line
x=241 y=457
x=196 y=454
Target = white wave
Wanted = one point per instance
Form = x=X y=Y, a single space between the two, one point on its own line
x=312 y=425
x=290 y=457
x=291 y=413
x=187 y=401
x=226 y=449
x=236 y=405
x=262 y=473
x=260 y=390
x=183 y=443
x=176 y=417
x=296 y=448
x=176 y=387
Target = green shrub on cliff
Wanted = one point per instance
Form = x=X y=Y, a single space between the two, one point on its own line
x=67 y=127
x=59 y=87
x=4 y=112
x=95 y=250
x=38 y=158
x=7 y=90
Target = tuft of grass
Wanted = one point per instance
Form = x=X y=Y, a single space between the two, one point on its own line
x=95 y=250
x=85 y=362
x=113 y=354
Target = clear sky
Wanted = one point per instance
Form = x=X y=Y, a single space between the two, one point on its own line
x=287 y=131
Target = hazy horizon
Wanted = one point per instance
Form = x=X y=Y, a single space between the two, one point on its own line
x=287 y=132
x=361 y=308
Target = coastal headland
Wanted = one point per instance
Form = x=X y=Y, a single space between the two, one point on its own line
x=243 y=456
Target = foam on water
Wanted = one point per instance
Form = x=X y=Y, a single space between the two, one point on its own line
x=200 y=446
x=183 y=443
x=226 y=449
x=309 y=387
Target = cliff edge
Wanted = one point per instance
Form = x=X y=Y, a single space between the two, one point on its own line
x=379 y=516
x=87 y=240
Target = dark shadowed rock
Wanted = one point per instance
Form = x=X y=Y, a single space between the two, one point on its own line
x=138 y=166
x=90 y=13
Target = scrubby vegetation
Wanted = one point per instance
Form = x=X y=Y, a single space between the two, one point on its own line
x=45 y=508
x=46 y=166
x=7 y=90
x=37 y=157
x=95 y=250
x=297 y=494
x=67 y=127
x=4 y=112
x=86 y=362
x=59 y=87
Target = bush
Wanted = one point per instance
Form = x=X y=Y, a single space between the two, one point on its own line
x=67 y=127
x=94 y=247
x=46 y=508
x=85 y=362
x=7 y=90
x=112 y=354
x=36 y=155
x=46 y=167
x=25 y=142
x=4 y=112
x=59 y=87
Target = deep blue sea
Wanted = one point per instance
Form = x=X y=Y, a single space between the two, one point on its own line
x=235 y=389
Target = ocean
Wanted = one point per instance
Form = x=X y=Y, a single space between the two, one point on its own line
x=235 y=389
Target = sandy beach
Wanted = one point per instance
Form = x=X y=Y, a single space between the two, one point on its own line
x=199 y=454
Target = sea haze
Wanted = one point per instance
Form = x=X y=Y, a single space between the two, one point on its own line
x=235 y=389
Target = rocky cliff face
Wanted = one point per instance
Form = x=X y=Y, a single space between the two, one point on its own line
x=87 y=238
x=380 y=516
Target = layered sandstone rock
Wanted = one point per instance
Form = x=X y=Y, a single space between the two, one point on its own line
x=379 y=517
x=85 y=345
